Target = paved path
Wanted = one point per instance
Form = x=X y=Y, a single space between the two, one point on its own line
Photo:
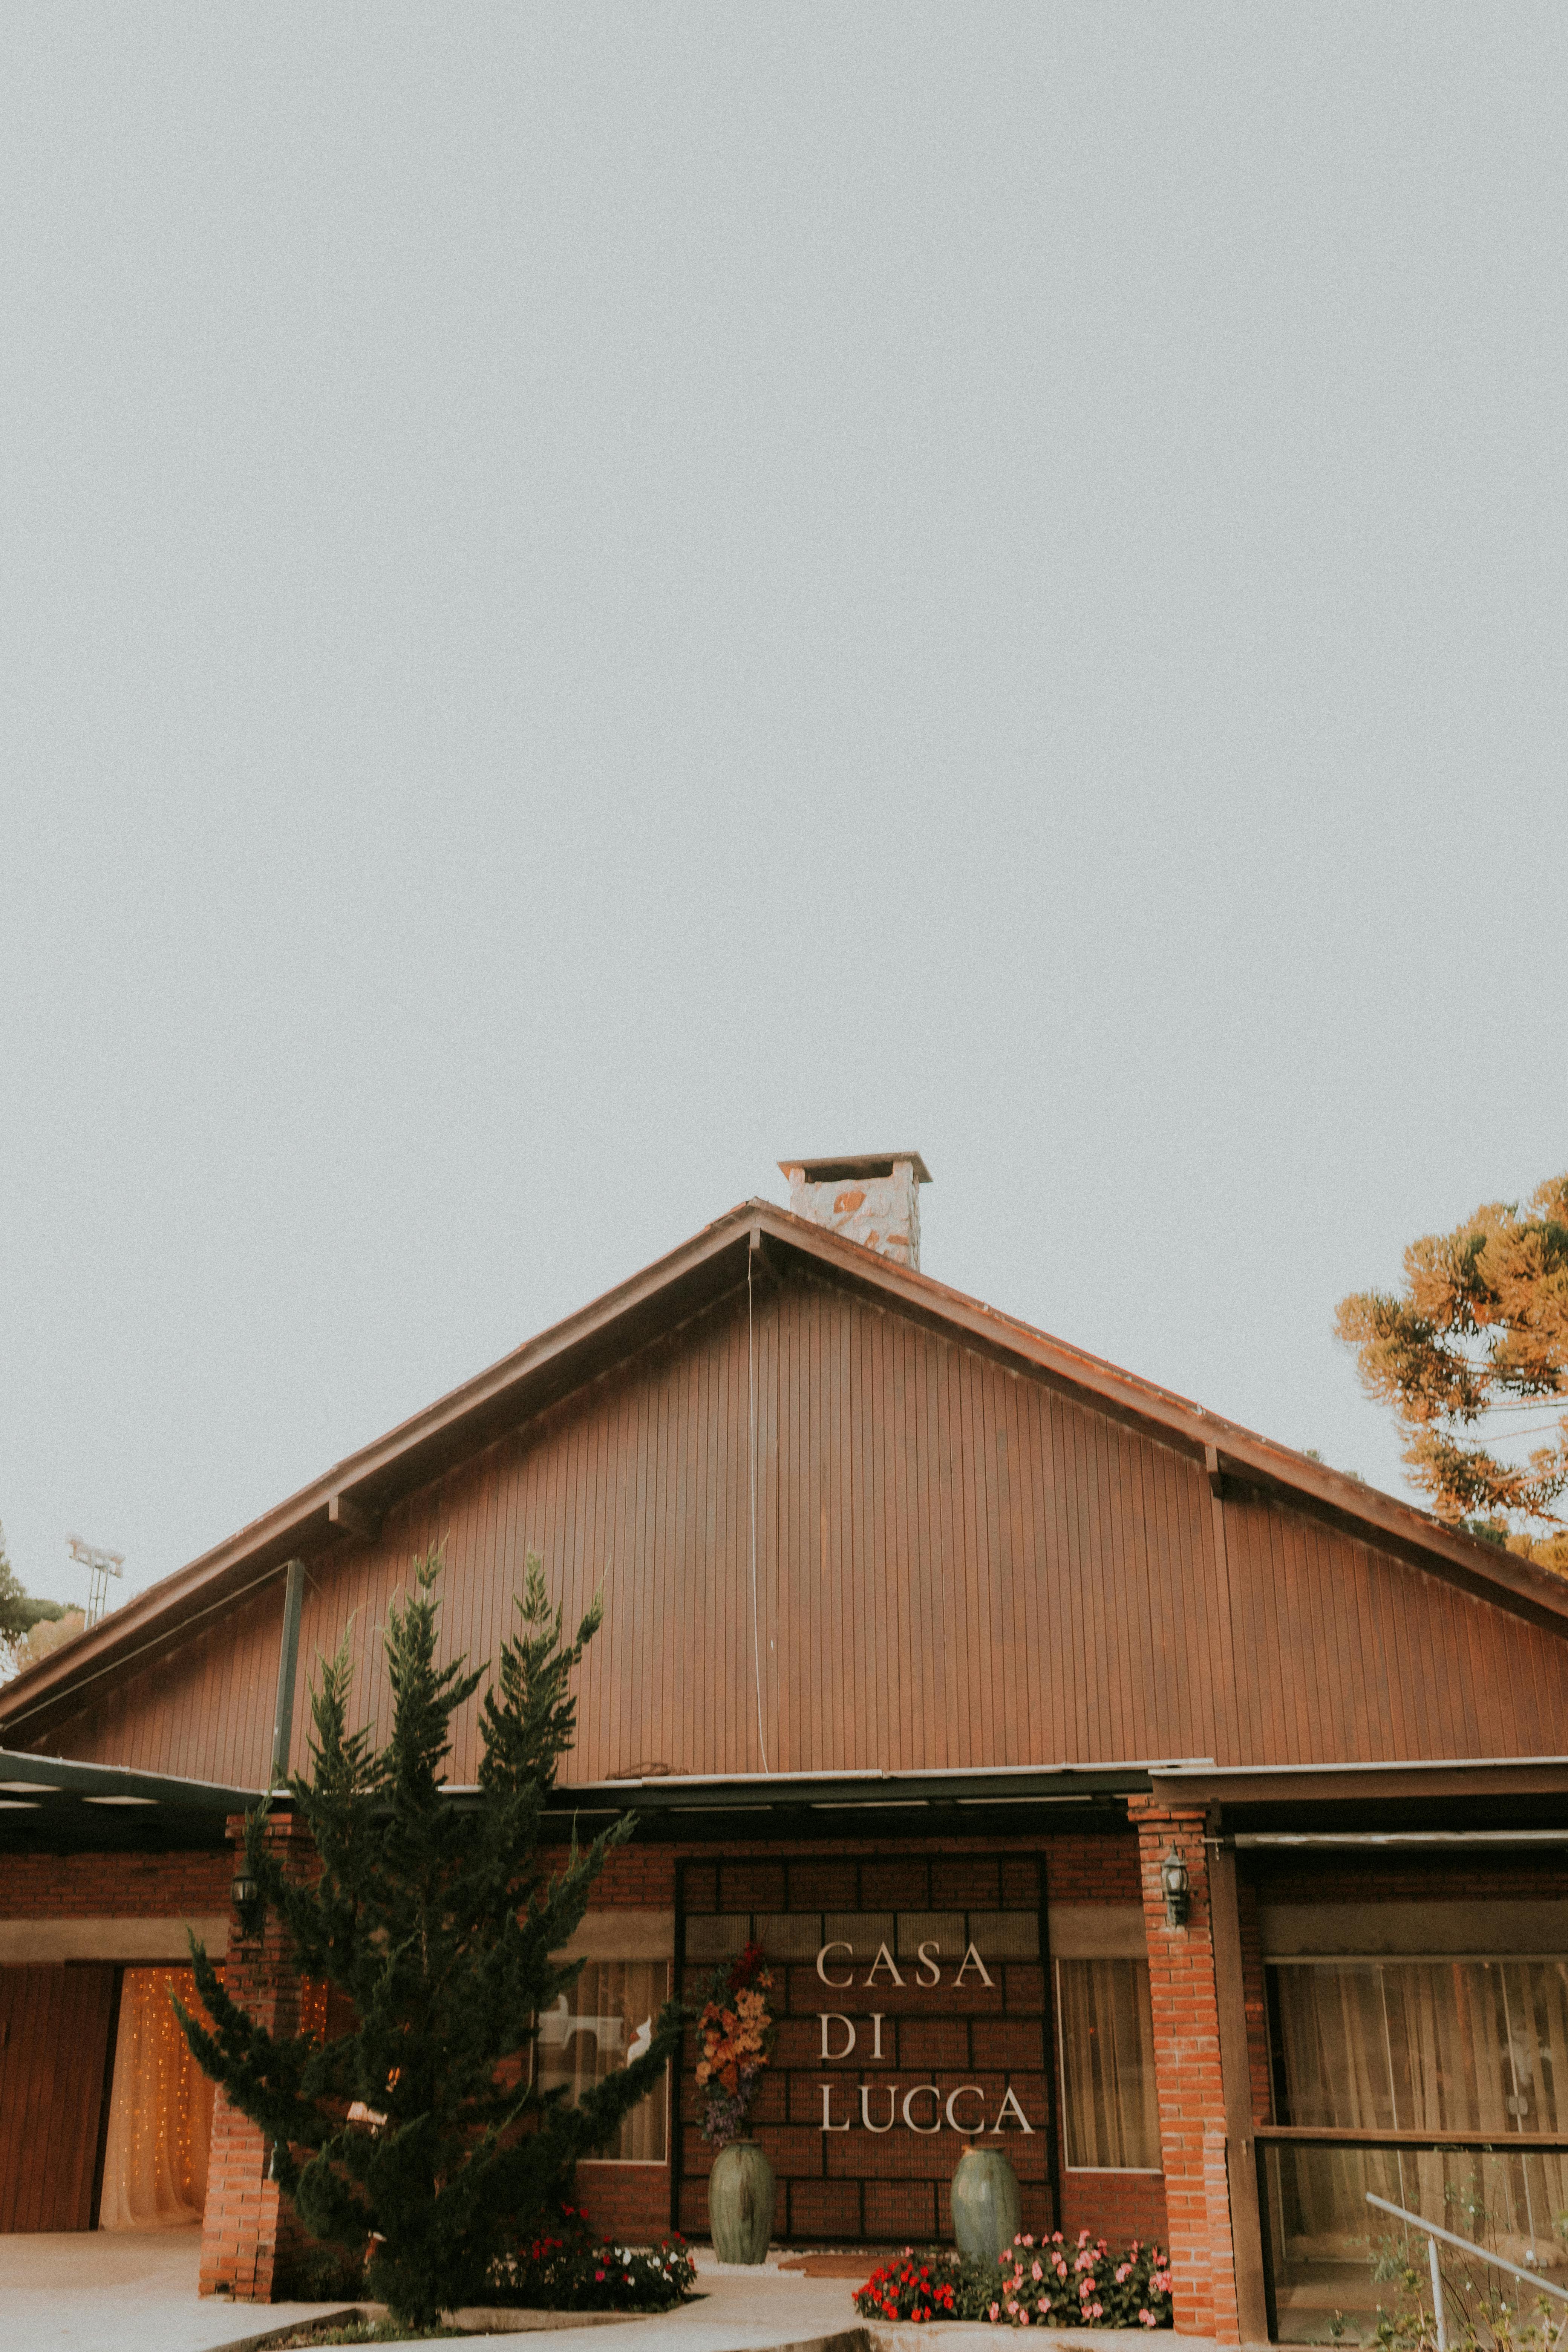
x=118 y=2291
x=102 y=2291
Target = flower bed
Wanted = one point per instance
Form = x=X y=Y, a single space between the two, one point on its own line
x=1051 y=2282
x=567 y=2268
x=919 y=2286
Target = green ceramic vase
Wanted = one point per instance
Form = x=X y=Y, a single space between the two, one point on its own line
x=988 y=2209
x=741 y=2202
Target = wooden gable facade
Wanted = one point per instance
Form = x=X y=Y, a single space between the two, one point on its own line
x=837 y=1531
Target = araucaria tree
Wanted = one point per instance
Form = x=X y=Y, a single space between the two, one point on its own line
x=421 y=2131
x=1473 y=1353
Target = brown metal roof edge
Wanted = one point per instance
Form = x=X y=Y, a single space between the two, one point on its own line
x=1437 y=1776
x=69 y=1778
x=623 y=1321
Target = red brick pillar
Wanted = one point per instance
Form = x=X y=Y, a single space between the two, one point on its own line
x=249 y=2231
x=1187 y=2072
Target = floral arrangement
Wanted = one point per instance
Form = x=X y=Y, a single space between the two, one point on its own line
x=735 y=2036
x=916 y=2287
x=1060 y=2284
x=568 y=2268
x=1051 y=2282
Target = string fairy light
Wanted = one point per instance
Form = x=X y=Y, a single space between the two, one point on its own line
x=160 y=2105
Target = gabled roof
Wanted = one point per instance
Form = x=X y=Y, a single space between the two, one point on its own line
x=350 y=1499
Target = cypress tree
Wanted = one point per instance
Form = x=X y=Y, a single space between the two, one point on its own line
x=434 y=1916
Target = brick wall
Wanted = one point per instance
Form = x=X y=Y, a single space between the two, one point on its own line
x=860 y=2183
x=115 y=1885
x=635 y=1877
x=1187 y=2068
x=1119 y=2206
x=630 y=2201
x=251 y=2236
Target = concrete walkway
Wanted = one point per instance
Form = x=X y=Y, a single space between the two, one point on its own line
x=104 y=2291
x=118 y=2290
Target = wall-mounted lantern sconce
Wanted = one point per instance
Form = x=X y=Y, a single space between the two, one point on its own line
x=246 y=1894
x=1177 y=1889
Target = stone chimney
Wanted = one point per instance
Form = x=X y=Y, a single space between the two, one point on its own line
x=870 y=1197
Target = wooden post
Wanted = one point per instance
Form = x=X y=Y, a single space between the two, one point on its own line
x=1241 y=2166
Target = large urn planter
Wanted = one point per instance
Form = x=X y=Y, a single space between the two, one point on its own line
x=741 y=2191
x=987 y=2209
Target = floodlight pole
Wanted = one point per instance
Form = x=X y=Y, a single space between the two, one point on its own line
x=102 y=1565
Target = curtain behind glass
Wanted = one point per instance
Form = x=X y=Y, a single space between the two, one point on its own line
x=1426 y=2045
x=159 y=2110
x=605 y=2019
x=1108 y=2066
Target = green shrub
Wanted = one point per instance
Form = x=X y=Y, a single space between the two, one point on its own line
x=328 y=2274
x=1490 y=2319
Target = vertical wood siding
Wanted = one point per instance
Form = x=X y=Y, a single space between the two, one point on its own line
x=204 y=1713
x=956 y=1564
x=54 y=2040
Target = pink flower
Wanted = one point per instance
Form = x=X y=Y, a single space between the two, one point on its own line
x=995 y=2309
x=1147 y=2317
x=1037 y=2273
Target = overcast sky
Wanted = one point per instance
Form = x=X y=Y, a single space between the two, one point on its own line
x=594 y=595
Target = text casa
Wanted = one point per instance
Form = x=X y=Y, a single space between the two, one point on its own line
x=835 y=1966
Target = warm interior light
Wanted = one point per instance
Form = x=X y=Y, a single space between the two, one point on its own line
x=161 y=2104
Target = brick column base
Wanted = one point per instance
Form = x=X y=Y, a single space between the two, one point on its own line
x=1187 y=2073
x=250 y=2234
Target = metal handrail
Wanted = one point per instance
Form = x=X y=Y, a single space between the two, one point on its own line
x=1431 y=2231
x=1501 y=2143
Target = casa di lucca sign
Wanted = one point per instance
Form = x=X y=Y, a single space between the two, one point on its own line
x=963 y=2110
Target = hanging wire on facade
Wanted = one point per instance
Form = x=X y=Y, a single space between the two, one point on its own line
x=752 y=1453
